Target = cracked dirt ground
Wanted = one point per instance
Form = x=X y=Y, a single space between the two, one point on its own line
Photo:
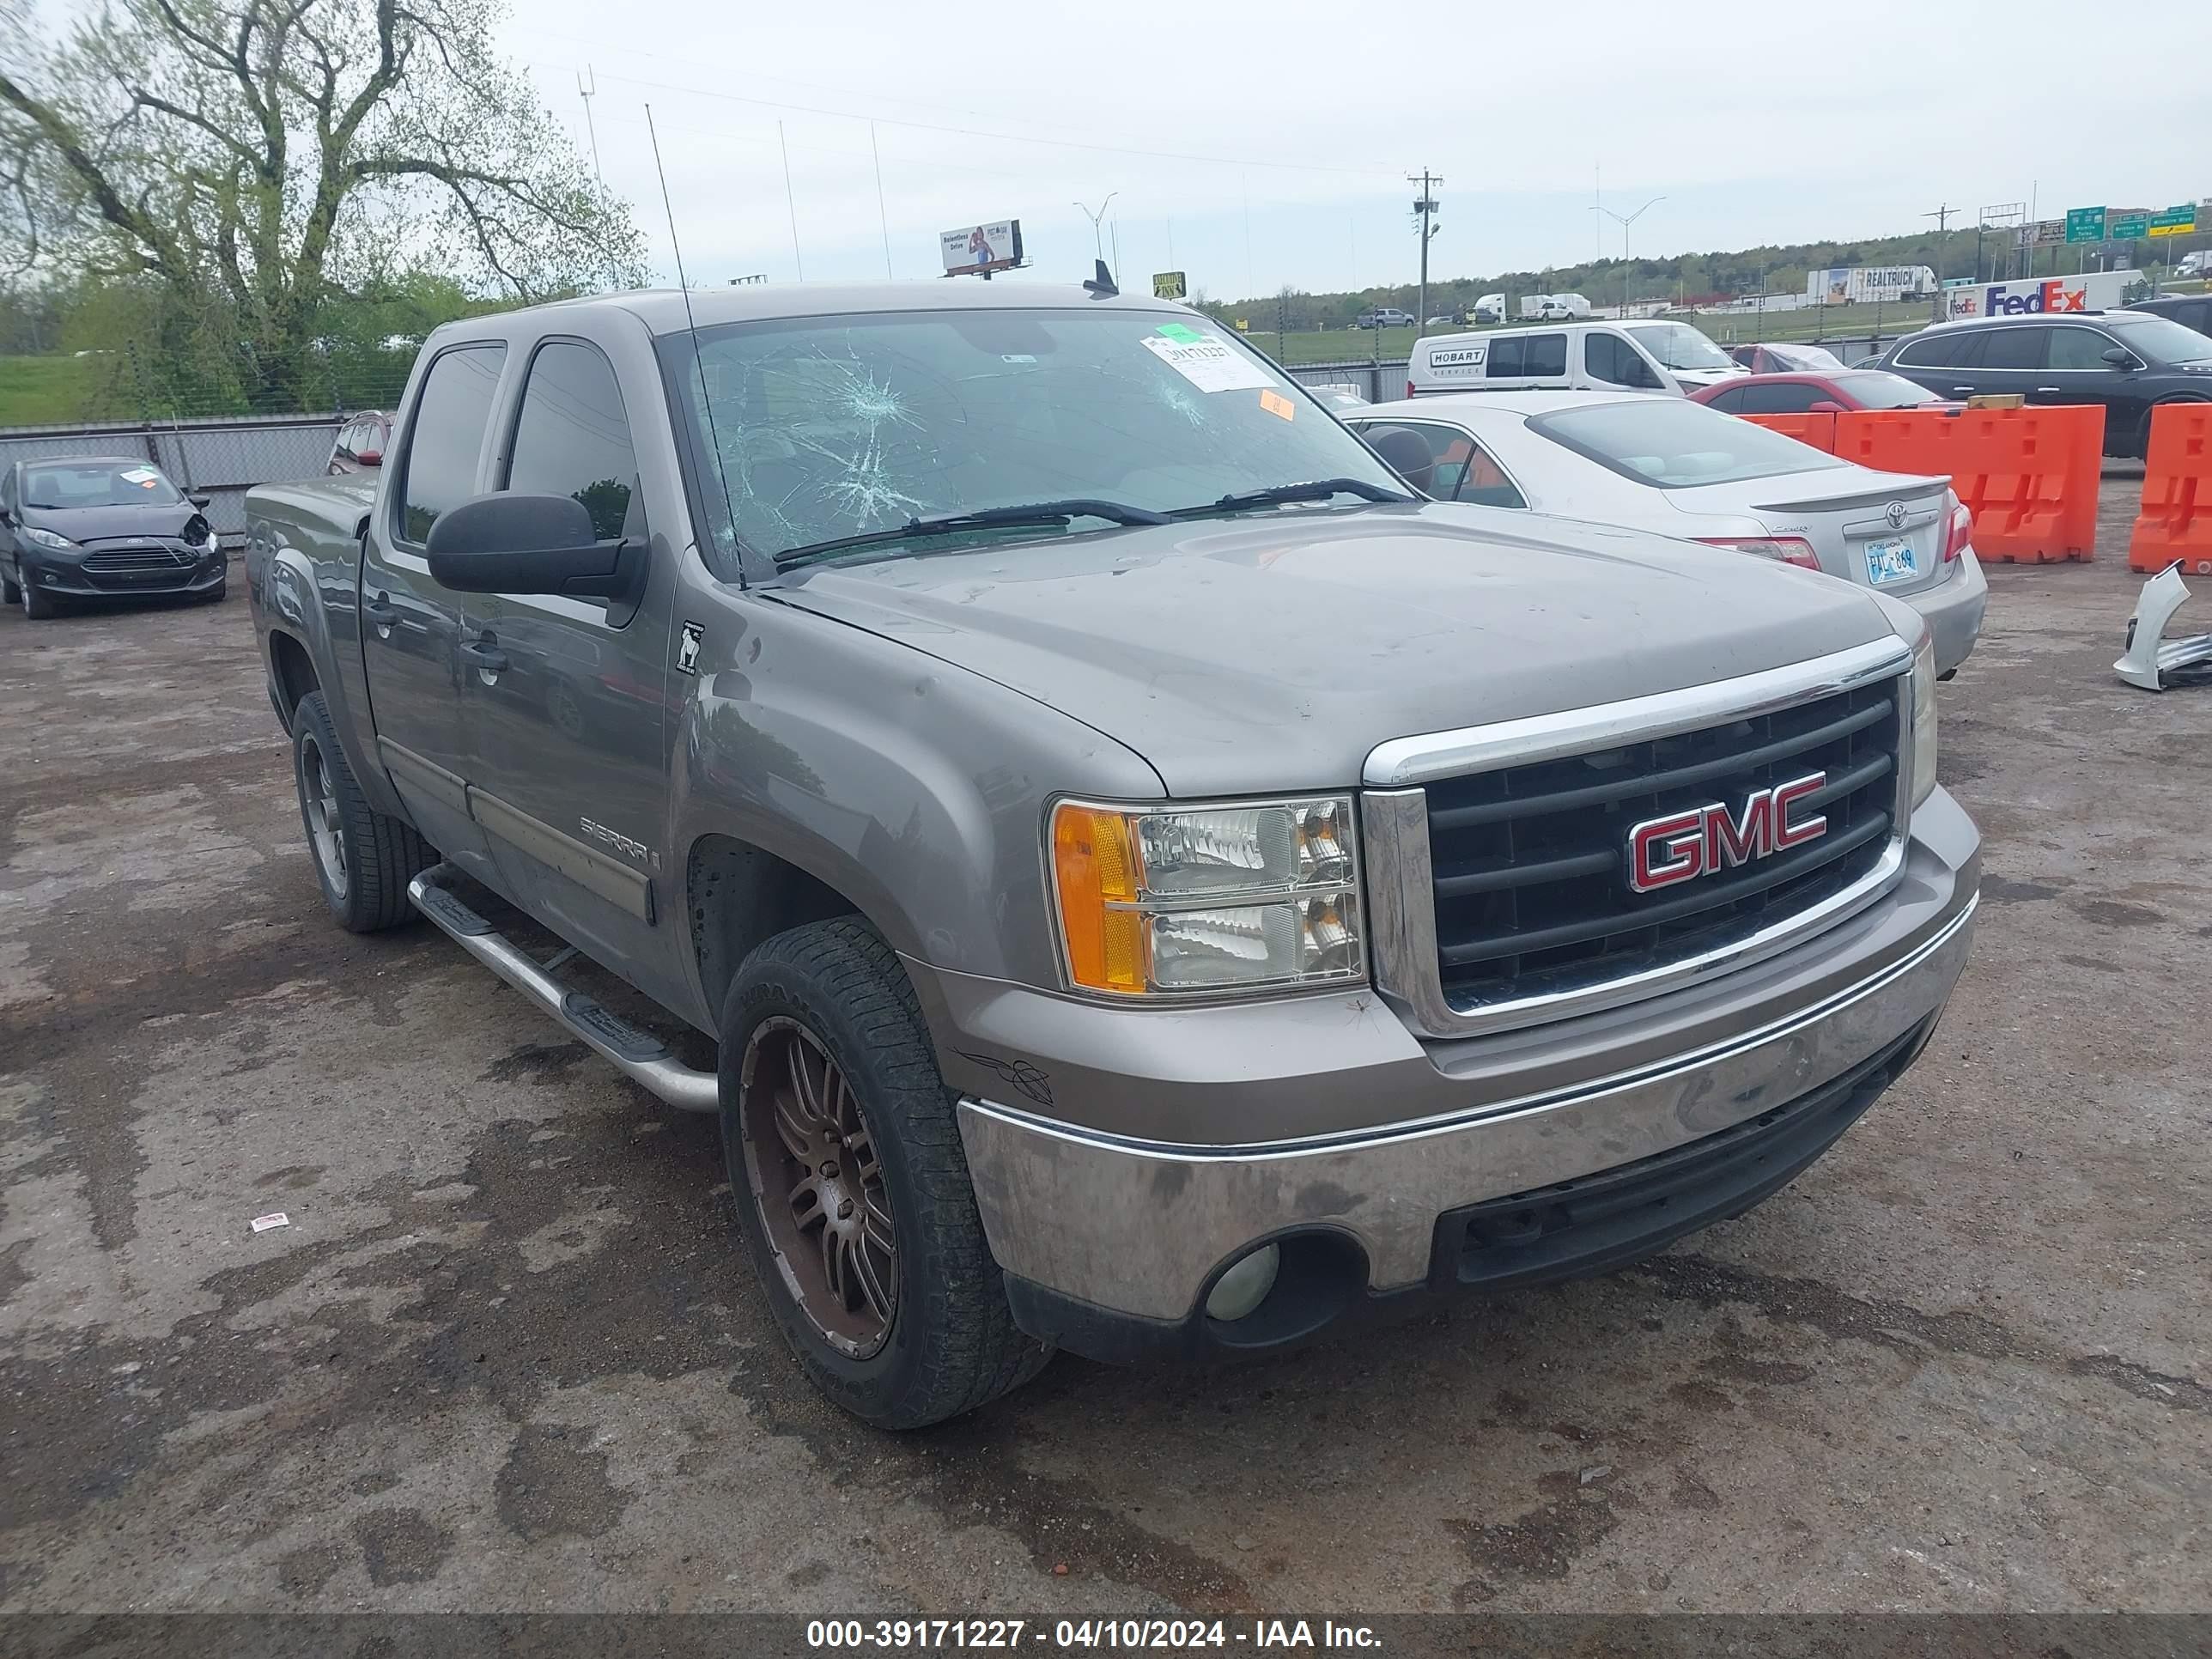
x=508 y=1357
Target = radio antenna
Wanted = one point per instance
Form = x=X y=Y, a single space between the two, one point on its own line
x=706 y=402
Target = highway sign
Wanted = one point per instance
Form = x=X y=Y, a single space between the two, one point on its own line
x=2128 y=227
x=2175 y=221
x=2085 y=224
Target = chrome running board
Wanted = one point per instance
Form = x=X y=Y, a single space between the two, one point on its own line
x=639 y=1055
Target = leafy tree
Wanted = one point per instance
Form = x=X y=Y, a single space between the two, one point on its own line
x=245 y=165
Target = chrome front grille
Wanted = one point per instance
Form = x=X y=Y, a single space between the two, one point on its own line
x=1502 y=887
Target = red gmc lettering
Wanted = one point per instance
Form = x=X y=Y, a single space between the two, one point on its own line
x=1684 y=846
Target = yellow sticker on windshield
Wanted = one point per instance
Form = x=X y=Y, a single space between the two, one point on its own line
x=1277 y=405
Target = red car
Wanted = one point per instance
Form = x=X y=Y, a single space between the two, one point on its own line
x=1817 y=394
x=360 y=444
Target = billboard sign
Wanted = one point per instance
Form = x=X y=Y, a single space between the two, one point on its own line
x=1845 y=285
x=1170 y=285
x=2085 y=224
x=2042 y=233
x=974 y=249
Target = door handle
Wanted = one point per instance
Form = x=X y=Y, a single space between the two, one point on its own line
x=382 y=611
x=1962 y=391
x=484 y=650
x=2052 y=390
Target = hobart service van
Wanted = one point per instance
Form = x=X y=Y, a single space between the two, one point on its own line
x=1636 y=357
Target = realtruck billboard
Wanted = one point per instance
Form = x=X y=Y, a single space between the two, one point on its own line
x=2095 y=290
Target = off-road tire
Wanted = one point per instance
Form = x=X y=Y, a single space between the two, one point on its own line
x=381 y=853
x=953 y=1344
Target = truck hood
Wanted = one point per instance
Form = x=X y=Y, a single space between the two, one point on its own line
x=1272 y=652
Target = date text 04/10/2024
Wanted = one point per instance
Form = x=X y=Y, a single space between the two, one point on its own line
x=1162 y=1634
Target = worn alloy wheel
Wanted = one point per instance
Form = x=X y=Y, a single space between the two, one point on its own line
x=818 y=1184
x=325 y=828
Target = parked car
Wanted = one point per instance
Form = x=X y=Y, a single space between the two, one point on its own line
x=1336 y=395
x=1051 y=791
x=91 y=527
x=1786 y=358
x=2130 y=362
x=1806 y=394
x=2190 y=310
x=1668 y=465
x=1490 y=308
x=1641 y=357
x=360 y=444
x=1383 y=317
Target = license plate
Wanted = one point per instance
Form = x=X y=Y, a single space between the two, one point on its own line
x=1891 y=560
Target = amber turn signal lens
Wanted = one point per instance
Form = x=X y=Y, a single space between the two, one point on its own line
x=1094 y=865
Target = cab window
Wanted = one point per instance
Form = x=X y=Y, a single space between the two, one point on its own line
x=447 y=435
x=573 y=437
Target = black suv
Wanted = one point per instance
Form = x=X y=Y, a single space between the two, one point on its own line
x=2128 y=360
x=2190 y=310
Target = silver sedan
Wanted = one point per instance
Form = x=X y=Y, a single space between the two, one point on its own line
x=1674 y=466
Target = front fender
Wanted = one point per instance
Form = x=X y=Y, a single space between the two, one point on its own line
x=915 y=789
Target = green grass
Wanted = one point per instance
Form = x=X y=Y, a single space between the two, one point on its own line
x=45 y=390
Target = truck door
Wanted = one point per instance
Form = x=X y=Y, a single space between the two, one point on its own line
x=565 y=695
x=411 y=626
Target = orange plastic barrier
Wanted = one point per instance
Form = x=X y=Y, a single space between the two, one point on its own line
x=1818 y=430
x=2175 y=521
x=2029 y=476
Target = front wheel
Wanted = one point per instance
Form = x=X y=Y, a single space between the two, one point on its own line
x=844 y=1164
x=38 y=605
x=363 y=859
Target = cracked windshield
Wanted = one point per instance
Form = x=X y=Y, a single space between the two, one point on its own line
x=833 y=427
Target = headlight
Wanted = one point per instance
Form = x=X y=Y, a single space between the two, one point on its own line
x=38 y=537
x=1244 y=897
x=1923 y=721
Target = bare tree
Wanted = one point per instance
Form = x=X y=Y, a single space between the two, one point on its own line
x=259 y=157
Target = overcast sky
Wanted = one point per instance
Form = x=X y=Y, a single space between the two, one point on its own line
x=1255 y=145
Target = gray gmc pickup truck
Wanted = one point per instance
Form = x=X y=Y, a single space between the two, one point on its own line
x=1154 y=886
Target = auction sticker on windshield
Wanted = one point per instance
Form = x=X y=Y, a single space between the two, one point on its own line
x=1211 y=365
x=1891 y=560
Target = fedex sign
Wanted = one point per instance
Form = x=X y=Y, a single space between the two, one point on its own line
x=2096 y=290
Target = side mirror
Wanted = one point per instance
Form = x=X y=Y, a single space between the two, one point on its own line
x=506 y=543
x=369 y=458
x=1827 y=406
x=1405 y=451
x=202 y=502
x=2120 y=357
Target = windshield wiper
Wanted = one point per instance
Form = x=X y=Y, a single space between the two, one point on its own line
x=988 y=518
x=1319 y=489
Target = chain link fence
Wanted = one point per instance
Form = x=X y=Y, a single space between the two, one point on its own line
x=220 y=457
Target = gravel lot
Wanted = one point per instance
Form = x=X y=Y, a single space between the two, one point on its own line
x=507 y=1355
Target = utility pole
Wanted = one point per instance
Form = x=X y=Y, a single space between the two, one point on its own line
x=1425 y=212
x=1942 y=218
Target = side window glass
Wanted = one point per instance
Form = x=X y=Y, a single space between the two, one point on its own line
x=1729 y=403
x=573 y=436
x=1484 y=483
x=1784 y=399
x=2015 y=347
x=2079 y=348
x=1505 y=356
x=1546 y=355
x=447 y=435
x=1602 y=355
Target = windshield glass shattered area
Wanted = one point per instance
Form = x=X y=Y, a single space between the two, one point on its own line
x=834 y=427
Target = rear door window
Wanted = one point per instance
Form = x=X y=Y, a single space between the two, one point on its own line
x=1506 y=356
x=1546 y=355
x=1787 y=398
x=2015 y=347
x=1944 y=349
x=1729 y=402
x=447 y=436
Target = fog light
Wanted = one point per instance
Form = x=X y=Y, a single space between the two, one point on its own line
x=1245 y=1285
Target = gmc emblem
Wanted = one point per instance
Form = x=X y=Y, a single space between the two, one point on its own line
x=1683 y=846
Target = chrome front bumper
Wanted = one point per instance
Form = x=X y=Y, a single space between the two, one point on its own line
x=1138 y=1228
